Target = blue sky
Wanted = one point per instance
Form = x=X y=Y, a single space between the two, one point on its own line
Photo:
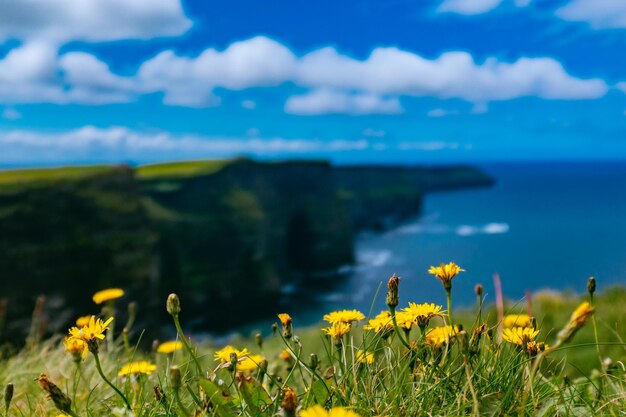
x=87 y=81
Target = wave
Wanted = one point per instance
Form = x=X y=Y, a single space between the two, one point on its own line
x=488 y=229
x=461 y=230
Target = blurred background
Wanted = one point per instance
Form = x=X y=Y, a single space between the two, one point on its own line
x=260 y=157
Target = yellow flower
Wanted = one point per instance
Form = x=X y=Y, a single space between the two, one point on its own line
x=170 y=347
x=318 y=411
x=438 y=336
x=519 y=335
x=140 y=367
x=422 y=313
x=285 y=355
x=516 y=320
x=533 y=348
x=94 y=330
x=405 y=321
x=581 y=314
x=445 y=273
x=107 y=295
x=344 y=316
x=381 y=323
x=249 y=362
x=75 y=347
x=285 y=319
x=223 y=355
x=83 y=321
x=364 y=357
x=337 y=330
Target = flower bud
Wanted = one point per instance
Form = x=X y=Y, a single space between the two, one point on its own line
x=259 y=340
x=274 y=329
x=8 y=396
x=176 y=379
x=478 y=289
x=289 y=404
x=313 y=361
x=591 y=285
x=233 y=361
x=61 y=401
x=392 y=293
x=159 y=395
x=173 y=304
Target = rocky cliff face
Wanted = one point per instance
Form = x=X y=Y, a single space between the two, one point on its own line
x=230 y=238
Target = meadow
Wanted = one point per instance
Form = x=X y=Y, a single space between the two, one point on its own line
x=561 y=355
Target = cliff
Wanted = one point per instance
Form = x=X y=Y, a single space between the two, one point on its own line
x=223 y=234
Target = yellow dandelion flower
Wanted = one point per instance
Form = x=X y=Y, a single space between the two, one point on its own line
x=94 y=330
x=285 y=355
x=439 y=336
x=581 y=314
x=381 y=323
x=75 y=347
x=285 y=319
x=249 y=362
x=107 y=295
x=422 y=313
x=83 y=320
x=445 y=272
x=519 y=335
x=364 y=357
x=337 y=330
x=344 y=316
x=170 y=347
x=533 y=347
x=318 y=411
x=405 y=321
x=516 y=320
x=140 y=367
x=223 y=355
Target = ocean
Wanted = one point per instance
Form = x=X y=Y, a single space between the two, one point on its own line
x=542 y=226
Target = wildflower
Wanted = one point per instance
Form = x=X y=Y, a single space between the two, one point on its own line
x=405 y=321
x=290 y=402
x=107 y=295
x=170 y=347
x=76 y=347
x=83 y=320
x=519 y=335
x=91 y=332
x=285 y=320
x=337 y=330
x=344 y=316
x=533 y=348
x=249 y=362
x=445 y=273
x=381 y=323
x=516 y=320
x=285 y=355
x=61 y=401
x=577 y=320
x=223 y=355
x=439 y=336
x=422 y=313
x=318 y=411
x=140 y=367
x=364 y=357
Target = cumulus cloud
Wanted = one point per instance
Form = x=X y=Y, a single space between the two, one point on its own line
x=330 y=101
x=91 y=20
x=600 y=14
x=337 y=83
x=622 y=86
x=468 y=7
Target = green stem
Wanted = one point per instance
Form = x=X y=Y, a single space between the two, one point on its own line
x=109 y=383
x=595 y=331
x=183 y=339
x=180 y=403
x=449 y=298
x=392 y=310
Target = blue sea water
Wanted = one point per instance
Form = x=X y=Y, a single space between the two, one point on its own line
x=542 y=226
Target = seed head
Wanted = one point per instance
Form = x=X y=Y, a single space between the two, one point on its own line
x=591 y=285
x=173 y=304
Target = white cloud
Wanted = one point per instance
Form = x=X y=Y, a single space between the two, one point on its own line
x=600 y=14
x=11 y=114
x=326 y=101
x=248 y=104
x=117 y=143
x=374 y=133
x=35 y=72
x=468 y=7
x=91 y=20
x=622 y=86
x=441 y=112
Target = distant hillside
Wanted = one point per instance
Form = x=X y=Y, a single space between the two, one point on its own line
x=221 y=233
